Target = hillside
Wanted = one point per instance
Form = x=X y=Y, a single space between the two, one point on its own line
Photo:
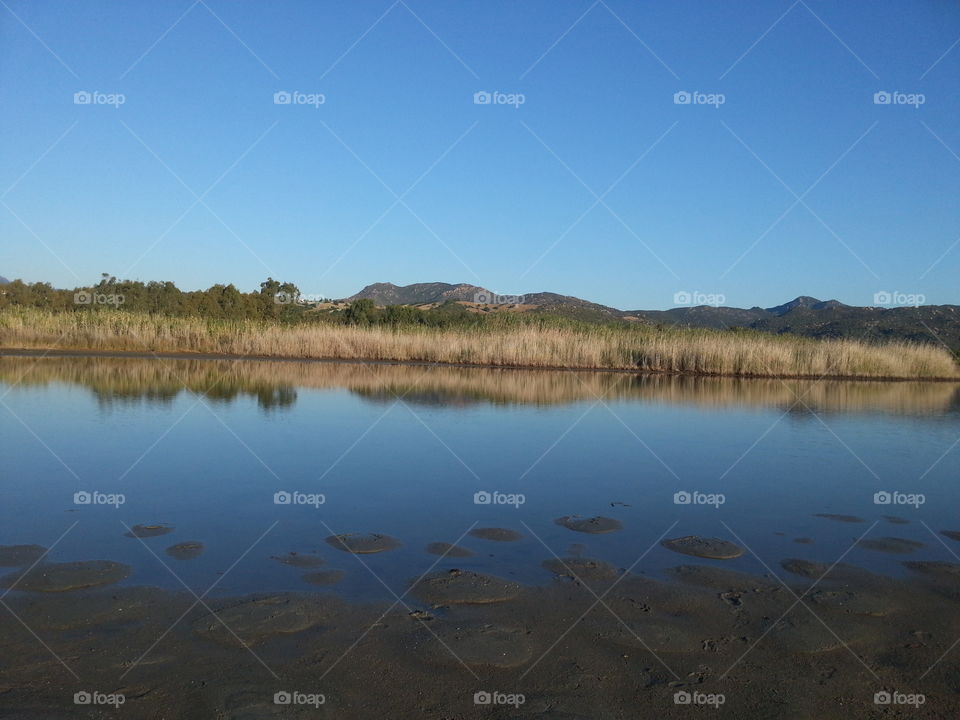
x=804 y=315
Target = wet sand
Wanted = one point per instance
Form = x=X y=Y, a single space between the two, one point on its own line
x=701 y=629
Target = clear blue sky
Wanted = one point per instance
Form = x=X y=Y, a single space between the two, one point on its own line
x=502 y=196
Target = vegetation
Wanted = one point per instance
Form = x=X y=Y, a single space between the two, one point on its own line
x=501 y=340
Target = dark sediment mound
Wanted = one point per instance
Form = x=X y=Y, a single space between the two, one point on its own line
x=496 y=534
x=839 y=518
x=711 y=548
x=363 y=544
x=449 y=550
x=890 y=545
x=185 y=550
x=146 y=531
x=595 y=525
x=456 y=587
x=255 y=621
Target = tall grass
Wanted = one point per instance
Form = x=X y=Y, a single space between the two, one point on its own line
x=589 y=347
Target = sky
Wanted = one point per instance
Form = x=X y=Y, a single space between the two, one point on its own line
x=631 y=153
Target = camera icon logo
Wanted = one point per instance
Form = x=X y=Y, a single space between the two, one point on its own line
x=282 y=97
x=882 y=98
x=82 y=98
x=482 y=97
x=882 y=298
x=82 y=298
x=82 y=698
x=282 y=298
x=482 y=498
x=282 y=698
x=82 y=498
x=682 y=697
x=682 y=298
x=482 y=698
x=682 y=98
x=882 y=698
x=882 y=498
x=282 y=498
x=682 y=498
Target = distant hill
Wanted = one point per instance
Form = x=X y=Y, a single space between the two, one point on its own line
x=805 y=315
x=3 y=280
x=419 y=293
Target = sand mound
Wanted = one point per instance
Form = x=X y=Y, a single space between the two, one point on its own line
x=711 y=548
x=594 y=525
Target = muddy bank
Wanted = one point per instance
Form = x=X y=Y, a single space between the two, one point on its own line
x=705 y=631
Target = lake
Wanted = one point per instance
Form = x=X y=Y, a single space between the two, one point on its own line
x=255 y=460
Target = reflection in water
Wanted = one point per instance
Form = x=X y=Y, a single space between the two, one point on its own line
x=274 y=385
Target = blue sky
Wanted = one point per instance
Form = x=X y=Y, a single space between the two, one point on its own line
x=598 y=185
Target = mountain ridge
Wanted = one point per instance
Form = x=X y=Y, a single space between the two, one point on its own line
x=804 y=315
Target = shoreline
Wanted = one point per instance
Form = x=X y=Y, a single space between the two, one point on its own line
x=187 y=355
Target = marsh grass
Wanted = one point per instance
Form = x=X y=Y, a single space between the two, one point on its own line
x=643 y=348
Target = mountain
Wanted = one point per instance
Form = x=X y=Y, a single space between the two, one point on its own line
x=811 y=317
x=805 y=315
x=420 y=293
x=3 y=280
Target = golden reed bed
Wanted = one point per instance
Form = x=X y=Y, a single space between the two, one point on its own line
x=600 y=347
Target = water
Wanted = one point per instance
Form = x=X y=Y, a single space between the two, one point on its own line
x=203 y=445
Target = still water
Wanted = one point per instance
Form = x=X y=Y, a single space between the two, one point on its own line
x=204 y=446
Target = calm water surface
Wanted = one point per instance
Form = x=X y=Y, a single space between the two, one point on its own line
x=204 y=445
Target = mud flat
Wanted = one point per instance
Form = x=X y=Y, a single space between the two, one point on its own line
x=64 y=577
x=697 y=628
